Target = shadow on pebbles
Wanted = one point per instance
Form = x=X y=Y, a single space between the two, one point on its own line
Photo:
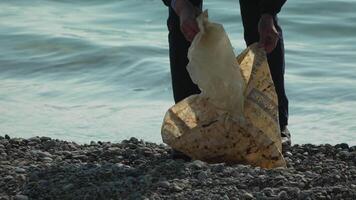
x=44 y=168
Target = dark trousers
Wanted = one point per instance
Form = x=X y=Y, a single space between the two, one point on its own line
x=178 y=49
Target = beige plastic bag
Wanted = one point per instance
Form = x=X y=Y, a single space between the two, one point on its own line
x=213 y=67
x=205 y=126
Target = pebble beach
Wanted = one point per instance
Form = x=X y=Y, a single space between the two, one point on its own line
x=45 y=168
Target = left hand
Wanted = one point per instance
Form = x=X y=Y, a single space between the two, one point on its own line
x=269 y=35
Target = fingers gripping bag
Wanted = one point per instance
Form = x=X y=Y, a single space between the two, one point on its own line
x=235 y=117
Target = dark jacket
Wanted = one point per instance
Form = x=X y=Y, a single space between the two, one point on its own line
x=266 y=6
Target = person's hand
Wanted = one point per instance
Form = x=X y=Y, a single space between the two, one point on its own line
x=269 y=35
x=187 y=15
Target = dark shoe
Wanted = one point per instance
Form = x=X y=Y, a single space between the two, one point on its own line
x=179 y=155
x=286 y=138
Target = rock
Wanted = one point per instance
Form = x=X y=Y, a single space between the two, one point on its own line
x=68 y=187
x=164 y=184
x=44 y=138
x=41 y=153
x=225 y=197
x=342 y=146
x=177 y=188
x=247 y=196
x=283 y=195
x=20 y=170
x=268 y=192
x=35 y=139
x=21 y=197
x=202 y=176
x=47 y=159
x=288 y=154
x=8 y=177
x=198 y=164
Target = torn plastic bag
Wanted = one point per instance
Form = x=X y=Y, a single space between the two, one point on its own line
x=235 y=118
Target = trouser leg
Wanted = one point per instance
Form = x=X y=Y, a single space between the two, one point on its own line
x=250 y=18
x=182 y=84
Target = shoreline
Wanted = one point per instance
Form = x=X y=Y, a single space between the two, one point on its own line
x=45 y=168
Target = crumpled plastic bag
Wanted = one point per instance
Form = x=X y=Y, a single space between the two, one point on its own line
x=235 y=118
x=213 y=67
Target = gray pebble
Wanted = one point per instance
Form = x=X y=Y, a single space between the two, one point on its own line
x=47 y=159
x=8 y=177
x=225 y=197
x=247 y=196
x=43 y=139
x=198 y=164
x=35 y=139
x=288 y=154
x=177 y=188
x=202 y=176
x=283 y=195
x=21 y=197
x=19 y=170
x=68 y=187
x=41 y=153
x=164 y=184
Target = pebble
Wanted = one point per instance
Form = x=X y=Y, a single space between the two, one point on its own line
x=202 y=176
x=19 y=170
x=164 y=184
x=41 y=153
x=177 y=188
x=44 y=138
x=68 y=187
x=47 y=159
x=8 y=177
x=21 y=197
x=342 y=146
x=198 y=164
x=247 y=196
x=283 y=195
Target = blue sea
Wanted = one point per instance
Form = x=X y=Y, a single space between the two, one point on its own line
x=85 y=70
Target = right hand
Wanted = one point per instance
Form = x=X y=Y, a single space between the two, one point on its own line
x=187 y=16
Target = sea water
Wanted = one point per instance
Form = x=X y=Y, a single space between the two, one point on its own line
x=87 y=70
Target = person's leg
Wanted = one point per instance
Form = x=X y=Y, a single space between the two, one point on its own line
x=250 y=18
x=178 y=49
x=182 y=84
x=277 y=67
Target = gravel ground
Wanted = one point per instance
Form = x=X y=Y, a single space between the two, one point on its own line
x=44 y=168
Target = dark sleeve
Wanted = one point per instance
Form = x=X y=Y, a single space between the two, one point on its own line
x=167 y=2
x=271 y=6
